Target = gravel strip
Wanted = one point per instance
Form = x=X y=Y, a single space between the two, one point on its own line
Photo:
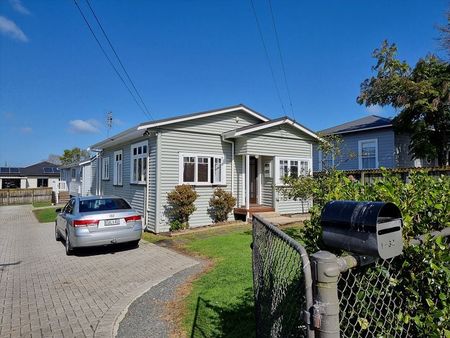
x=143 y=318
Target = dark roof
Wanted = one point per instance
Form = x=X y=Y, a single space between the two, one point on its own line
x=43 y=169
x=368 y=122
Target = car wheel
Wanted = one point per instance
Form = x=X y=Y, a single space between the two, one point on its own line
x=134 y=244
x=69 y=249
x=57 y=234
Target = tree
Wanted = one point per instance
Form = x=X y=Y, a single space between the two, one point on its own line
x=73 y=155
x=421 y=94
x=53 y=158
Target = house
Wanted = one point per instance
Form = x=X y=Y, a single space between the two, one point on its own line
x=368 y=143
x=42 y=174
x=235 y=148
x=80 y=179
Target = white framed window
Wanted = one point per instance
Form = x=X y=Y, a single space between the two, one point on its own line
x=368 y=154
x=326 y=162
x=73 y=174
x=291 y=167
x=117 y=170
x=202 y=169
x=105 y=168
x=139 y=153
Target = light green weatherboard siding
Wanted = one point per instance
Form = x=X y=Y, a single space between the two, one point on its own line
x=133 y=193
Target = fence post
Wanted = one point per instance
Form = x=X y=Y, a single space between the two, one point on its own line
x=326 y=303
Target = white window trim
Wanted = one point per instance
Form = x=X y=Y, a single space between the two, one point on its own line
x=321 y=160
x=132 y=157
x=105 y=168
x=117 y=179
x=360 y=142
x=210 y=165
x=278 y=181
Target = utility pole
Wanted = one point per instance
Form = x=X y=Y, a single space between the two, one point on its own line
x=109 y=121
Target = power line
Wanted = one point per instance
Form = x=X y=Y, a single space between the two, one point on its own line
x=281 y=59
x=108 y=58
x=117 y=56
x=267 y=56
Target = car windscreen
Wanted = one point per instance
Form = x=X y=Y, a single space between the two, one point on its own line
x=103 y=204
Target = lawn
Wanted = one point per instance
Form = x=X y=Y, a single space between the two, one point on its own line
x=42 y=204
x=45 y=215
x=220 y=303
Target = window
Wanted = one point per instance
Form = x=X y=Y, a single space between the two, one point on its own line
x=103 y=204
x=42 y=182
x=326 y=162
x=117 y=172
x=139 y=153
x=105 y=168
x=292 y=167
x=202 y=169
x=73 y=174
x=368 y=154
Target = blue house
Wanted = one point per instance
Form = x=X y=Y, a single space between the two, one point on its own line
x=368 y=143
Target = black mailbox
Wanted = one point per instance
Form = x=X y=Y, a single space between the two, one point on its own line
x=366 y=228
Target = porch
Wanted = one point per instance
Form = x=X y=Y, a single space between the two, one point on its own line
x=253 y=209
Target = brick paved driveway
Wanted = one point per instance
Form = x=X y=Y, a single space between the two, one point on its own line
x=45 y=293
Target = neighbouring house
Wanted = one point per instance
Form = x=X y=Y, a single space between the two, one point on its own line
x=234 y=148
x=79 y=179
x=39 y=175
x=368 y=143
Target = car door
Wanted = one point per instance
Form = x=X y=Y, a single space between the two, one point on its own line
x=63 y=216
x=60 y=218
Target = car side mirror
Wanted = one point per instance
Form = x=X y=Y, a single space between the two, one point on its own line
x=58 y=210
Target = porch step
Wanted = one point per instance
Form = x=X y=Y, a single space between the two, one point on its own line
x=253 y=210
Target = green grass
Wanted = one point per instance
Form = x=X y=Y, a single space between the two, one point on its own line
x=220 y=303
x=46 y=215
x=42 y=204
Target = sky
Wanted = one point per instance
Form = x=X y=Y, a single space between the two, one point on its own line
x=56 y=86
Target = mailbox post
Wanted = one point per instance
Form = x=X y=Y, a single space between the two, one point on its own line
x=367 y=231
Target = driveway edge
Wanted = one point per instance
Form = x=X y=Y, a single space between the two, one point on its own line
x=108 y=325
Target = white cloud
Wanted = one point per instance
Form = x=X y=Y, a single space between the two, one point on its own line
x=375 y=109
x=19 y=7
x=84 y=126
x=26 y=130
x=10 y=29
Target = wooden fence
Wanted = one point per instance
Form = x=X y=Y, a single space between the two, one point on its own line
x=25 y=196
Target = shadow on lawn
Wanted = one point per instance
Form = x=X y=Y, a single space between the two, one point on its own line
x=235 y=320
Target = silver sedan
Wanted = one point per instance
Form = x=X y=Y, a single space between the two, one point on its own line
x=97 y=221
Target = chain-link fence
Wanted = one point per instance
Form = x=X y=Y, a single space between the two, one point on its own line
x=282 y=283
x=368 y=299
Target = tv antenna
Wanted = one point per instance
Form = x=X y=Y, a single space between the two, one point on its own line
x=109 y=122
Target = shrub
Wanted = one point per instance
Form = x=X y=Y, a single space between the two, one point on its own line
x=424 y=270
x=221 y=204
x=176 y=225
x=181 y=201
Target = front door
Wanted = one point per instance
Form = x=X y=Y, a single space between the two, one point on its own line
x=253 y=180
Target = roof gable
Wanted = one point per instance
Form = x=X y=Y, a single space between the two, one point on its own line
x=365 y=123
x=269 y=124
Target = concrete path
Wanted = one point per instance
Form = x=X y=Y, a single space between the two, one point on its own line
x=44 y=293
x=277 y=219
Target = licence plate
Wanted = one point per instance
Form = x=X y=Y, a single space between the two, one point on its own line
x=112 y=222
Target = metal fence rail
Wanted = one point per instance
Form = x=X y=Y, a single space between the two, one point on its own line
x=282 y=283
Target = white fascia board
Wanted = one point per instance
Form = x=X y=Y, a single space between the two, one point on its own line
x=123 y=137
x=188 y=118
x=234 y=133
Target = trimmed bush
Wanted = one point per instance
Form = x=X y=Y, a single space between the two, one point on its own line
x=181 y=204
x=220 y=205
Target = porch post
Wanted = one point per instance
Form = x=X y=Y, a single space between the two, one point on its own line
x=259 y=180
x=247 y=183
x=243 y=182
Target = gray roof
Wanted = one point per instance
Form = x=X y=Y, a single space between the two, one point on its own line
x=41 y=169
x=365 y=123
